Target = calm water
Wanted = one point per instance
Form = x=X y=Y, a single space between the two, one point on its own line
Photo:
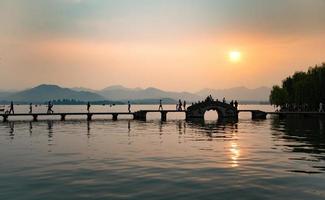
x=126 y=159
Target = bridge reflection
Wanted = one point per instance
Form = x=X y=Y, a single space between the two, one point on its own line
x=206 y=127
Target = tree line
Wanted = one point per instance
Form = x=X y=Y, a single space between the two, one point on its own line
x=303 y=91
x=79 y=102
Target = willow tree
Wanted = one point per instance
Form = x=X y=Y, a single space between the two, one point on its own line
x=303 y=89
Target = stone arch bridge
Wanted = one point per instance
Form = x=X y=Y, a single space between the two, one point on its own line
x=224 y=110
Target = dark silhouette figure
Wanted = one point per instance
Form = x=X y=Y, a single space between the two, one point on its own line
x=30 y=108
x=236 y=104
x=160 y=105
x=11 y=109
x=88 y=107
x=129 y=106
x=209 y=98
x=232 y=103
x=180 y=105
x=224 y=100
x=184 y=104
x=49 y=108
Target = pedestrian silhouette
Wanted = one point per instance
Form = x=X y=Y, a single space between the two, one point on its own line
x=129 y=106
x=236 y=104
x=11 y=110
x=180 y=105
x=49 y=108
x=88 y=107
x=224 y=100
x=160 y=105
x=30 y=108
x=184 y=104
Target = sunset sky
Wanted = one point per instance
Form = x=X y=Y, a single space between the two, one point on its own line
x=170 y=44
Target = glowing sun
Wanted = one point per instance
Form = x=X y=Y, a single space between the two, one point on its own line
x=234 y=56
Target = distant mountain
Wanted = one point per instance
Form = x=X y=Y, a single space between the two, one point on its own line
x=44 y=93
x=4 y=95
x=83 y=89
x=122 y=93
x=238 y=93
x=120 y=87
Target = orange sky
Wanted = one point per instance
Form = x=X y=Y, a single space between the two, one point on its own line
x=97 y=43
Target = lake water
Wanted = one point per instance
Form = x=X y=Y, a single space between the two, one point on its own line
x=126 y=159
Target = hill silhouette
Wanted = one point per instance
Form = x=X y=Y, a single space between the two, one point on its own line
x=45 y=92
x=120 y=93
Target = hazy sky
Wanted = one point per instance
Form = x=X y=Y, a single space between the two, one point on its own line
x=170 y=44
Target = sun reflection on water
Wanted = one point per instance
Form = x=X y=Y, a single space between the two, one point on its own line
x=234 y=154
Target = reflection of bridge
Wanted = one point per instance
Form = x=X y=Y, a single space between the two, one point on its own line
x=195 y=111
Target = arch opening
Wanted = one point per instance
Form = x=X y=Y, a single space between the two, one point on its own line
x=211 y=115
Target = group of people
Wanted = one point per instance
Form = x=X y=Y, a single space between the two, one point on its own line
x=302 y=108
x=180 y=106
x=233 y=103
x=12 y=110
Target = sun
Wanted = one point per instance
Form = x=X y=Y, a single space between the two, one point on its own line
x=234 y=56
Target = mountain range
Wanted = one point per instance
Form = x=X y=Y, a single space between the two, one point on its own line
x=43 y=93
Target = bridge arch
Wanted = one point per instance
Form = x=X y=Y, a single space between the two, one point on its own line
x=211 y=115
x=224 y=110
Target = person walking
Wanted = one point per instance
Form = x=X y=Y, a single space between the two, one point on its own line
x=236 y=104
x=88 y=107
x=49 y=108
x=180 y=105
x=11 y=108
x=184 y=104
x=160 y=105
x=30 y=108
x=224 y=100
x=321 y=109
x=129 y=106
